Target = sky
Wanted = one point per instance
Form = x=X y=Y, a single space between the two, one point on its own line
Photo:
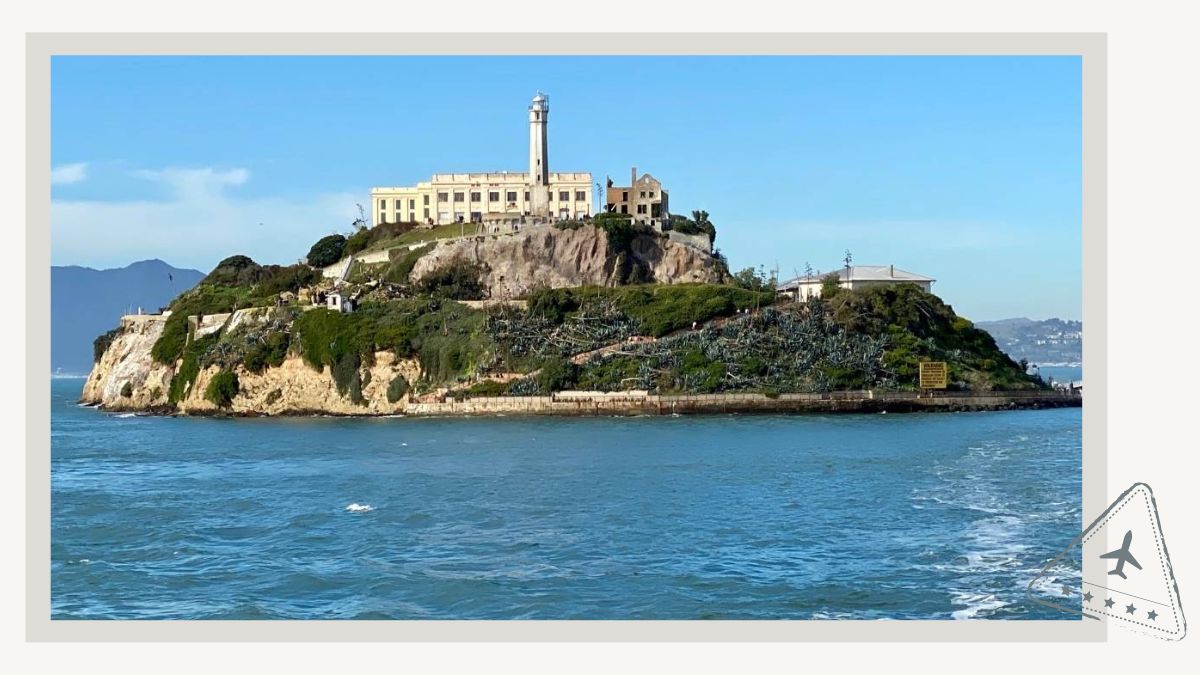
x=964 y=169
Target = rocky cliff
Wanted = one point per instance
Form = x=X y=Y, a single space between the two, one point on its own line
x=564 y=257
x=128 y=378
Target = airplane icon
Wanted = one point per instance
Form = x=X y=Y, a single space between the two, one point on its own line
x=1122 y=556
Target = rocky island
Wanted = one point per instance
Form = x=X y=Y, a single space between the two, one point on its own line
x=595 y=316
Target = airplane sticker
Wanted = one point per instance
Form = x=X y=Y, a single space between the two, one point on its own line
x=1131 y=584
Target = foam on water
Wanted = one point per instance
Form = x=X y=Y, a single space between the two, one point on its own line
x=359 y=508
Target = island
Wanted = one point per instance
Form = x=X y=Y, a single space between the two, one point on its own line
x=600 y=315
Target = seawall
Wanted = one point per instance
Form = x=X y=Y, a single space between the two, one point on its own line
x=568 y=403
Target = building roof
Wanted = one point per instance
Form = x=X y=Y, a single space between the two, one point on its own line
x=860 y=273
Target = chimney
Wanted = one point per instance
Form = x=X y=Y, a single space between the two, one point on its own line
x=632 y=176
x=891 y=270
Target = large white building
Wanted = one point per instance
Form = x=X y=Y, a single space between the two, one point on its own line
x=502 y=199
x=858 y=276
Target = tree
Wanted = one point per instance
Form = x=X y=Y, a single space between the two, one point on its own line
x=830 y=285
x=705 y=225
x=327 y=250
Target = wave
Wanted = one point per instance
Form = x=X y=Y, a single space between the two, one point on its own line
x=360 y=508
x=976 y=604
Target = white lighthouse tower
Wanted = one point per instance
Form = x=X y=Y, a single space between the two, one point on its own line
x=539 y=162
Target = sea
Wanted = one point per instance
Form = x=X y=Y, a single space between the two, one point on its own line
x=854 y=516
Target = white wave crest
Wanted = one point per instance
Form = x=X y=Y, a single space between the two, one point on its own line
x=359 y=508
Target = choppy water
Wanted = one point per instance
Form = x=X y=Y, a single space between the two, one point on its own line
x=862 y=516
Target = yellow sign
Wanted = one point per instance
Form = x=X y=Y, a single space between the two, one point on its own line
x=934 y=375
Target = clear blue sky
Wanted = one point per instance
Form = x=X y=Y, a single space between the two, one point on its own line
x=966 y=169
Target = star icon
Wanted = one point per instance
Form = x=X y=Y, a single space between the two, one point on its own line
x=1066 y=589
x=1087 y=597
x=1152 y=615
x=1130 y=609
x=1108 y=602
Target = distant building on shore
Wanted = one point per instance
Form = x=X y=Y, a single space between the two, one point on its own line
x=853 y=278
x=504 y=200
x=644 y=199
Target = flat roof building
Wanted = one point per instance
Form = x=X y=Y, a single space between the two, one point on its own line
x=853 y=278
x=498 y=197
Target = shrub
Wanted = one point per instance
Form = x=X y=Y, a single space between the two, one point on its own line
x=398 y=271
x=127 y=390
x=222 y=388
x=269 y=352
x=397 y=388
x=102 y=343
x=486 y=388
x=557 y=374
x=327 y=250
x=457 y=280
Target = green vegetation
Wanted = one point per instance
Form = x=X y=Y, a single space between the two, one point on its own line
x=103 y=342
x=222 y=388
x=189 y=367
x=697 y=224
x=446 y=337
x=485 y=388
x=327 y=250
x=401 y=266
x=920 y=327
x=830 y=285
x=235 y=283
x=397 y=388
x=366 y=238
x=457 y=280
x=655 y=309
x=267 y=351
x=127 y=390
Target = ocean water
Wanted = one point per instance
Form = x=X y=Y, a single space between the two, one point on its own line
x=939 y=515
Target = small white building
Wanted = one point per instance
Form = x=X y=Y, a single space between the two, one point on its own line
x=853 y=278
x=339 y=302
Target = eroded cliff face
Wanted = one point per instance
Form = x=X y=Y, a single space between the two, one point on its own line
x=562 y=258
x=292 y=388
x=295 y=388
x=127 y=361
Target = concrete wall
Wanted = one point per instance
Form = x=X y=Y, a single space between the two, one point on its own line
x=698 y=241
x=638 y=403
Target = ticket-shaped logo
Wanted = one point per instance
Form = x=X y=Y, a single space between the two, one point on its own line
x=1127 y=577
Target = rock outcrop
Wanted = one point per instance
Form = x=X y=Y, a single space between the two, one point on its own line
x=559 y=258
x=128 y=378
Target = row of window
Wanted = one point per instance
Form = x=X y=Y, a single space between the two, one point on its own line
x=511 y=197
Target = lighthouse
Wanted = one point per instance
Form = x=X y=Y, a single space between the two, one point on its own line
x=539 y=162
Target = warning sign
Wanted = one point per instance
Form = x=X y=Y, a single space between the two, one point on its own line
x=933 y=375
x=1126 y=575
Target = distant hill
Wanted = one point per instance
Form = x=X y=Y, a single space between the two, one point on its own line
x=85 y=302
x=1053 y=341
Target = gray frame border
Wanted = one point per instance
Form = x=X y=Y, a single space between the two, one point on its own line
x=40 y=47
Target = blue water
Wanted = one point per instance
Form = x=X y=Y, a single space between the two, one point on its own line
x=774 y=517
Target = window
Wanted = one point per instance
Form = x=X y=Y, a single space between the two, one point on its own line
x=563 y=196
x=526 y=196
x=493 y=196
x=443 y=196
x=426 y=213
x=474 y=196
x=412 y=204
x=625 y=196
x=580 y=195
x=642 y=194
x=624 y=208
x=651 y=194
x=641 y=208
x=458 y=196
x=512 y=197
x=426 y=198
